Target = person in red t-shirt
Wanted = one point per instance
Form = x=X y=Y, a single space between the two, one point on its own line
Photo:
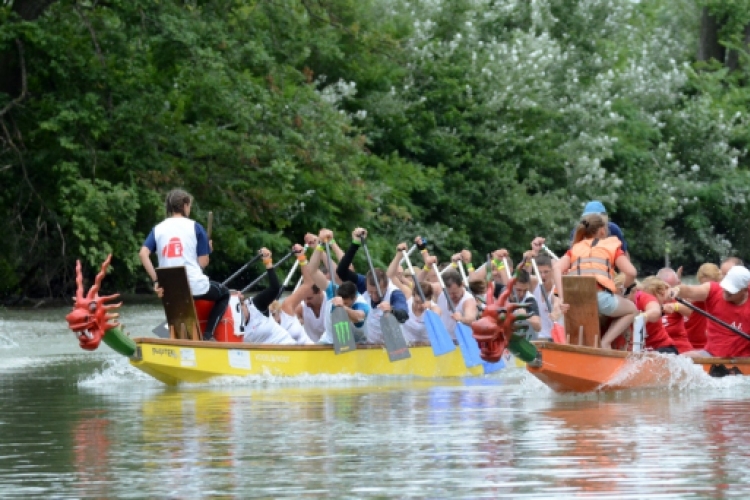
x=727 y=301
x=695 y=324
x=673 y=316
x=648 y=298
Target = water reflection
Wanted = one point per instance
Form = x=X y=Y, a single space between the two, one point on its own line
x=79 y=426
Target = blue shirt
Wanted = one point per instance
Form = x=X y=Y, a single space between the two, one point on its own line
x=398 y=299
x=357 y=305
x=614 y=230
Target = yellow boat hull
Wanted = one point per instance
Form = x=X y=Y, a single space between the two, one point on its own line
x=175 y=361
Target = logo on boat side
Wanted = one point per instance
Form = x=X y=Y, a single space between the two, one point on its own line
x=161 y=351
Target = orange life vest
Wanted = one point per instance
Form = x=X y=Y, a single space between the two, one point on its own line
x=596 y=257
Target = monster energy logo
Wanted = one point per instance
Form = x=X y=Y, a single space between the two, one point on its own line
x=342 y=332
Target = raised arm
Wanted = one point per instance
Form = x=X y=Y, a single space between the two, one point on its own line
x=394 y=273
x=343 y=271
x=264 y=298
x=316 y=275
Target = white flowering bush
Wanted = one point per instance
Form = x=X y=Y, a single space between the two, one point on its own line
x=531 y=108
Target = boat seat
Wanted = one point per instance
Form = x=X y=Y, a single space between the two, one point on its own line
x=582 y=320
x=178 y=303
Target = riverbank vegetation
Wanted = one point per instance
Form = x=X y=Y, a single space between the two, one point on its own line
x=475 y=123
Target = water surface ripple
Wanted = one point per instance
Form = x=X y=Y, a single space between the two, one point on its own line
x=76 y=424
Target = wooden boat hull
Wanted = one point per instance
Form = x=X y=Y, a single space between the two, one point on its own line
x=569 y=368
x=175 y=361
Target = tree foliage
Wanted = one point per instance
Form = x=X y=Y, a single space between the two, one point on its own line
x=477 y=123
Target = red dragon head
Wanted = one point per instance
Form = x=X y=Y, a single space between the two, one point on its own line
x=493 y=330
x=90 y=317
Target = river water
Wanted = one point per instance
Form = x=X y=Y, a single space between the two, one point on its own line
x=77 y=424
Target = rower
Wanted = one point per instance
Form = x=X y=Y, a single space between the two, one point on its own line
x=257 y=324
x=595 y=254
x=696 y=323
x=673 y=316
x=464 y=303
x=728 y=302
x=393 y=299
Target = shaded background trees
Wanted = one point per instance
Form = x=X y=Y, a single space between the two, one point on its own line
x=476 y=123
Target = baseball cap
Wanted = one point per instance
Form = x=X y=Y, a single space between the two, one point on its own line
x=736 y=279
x=594 y=207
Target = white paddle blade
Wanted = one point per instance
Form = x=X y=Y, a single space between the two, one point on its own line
x=638 y=333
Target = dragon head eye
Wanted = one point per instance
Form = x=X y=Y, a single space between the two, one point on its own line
x=92 y=306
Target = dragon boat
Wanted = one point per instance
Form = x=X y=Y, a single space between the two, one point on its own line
x=584 y=367
x=185 y=357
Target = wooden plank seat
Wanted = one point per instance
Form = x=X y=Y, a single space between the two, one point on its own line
x=582 y=319
x=178 y=303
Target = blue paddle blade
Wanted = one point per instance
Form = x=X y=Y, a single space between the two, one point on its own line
x=493 y=367
x=469 y=346
x=441 y=341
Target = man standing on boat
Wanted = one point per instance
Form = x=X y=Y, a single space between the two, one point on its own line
x=727 y=301
x=180 y=241
x=393 y=299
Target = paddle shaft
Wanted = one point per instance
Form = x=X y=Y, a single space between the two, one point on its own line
x=510 y=278
x=445 y=290
x=551 y=254
x=713 y=318
x=411 y=251
x=463 y=274
x=414 y=277
x=210 y=224
x=291 y=272
x=372 y=268
x=256 y=280
x=330 y=262
x=249 y=263
x=544 y=292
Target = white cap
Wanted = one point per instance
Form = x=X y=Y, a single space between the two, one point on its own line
x=738 y=278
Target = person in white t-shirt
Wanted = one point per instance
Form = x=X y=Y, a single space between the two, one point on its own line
x=180 y=241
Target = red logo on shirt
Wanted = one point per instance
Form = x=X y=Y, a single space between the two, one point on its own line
x=173 y=249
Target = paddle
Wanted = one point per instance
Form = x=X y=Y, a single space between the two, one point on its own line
x=242 y=269
x=713 y=318
x=440 y=340
x=257 y=280
x=551 y=254
x=469 y=346
x=343 y=340
x=488 y=367
x=510 y=278
x=394 y=340
x=411 y=251
x=210 y=224
x=463 y=274
x=289 y=276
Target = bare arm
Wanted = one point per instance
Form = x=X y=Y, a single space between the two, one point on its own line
x=652 y=314
x=627 y=268
x=470 y=312
x=355 y=316
x=203 y=261
x=290 y=304
x=691 y=292
x=145 y=255
x=316 y=275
